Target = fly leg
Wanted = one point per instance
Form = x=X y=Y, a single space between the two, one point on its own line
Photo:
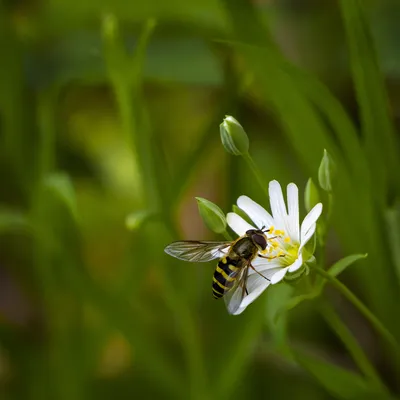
x=244 y=289
x=258 y=273
x=244 y=282
x=270 y=258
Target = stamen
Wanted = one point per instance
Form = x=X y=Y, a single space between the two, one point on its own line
x=271 y=229
x=287 y=239
x=279 y=232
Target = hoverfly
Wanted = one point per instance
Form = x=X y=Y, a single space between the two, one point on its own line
x=235 y=258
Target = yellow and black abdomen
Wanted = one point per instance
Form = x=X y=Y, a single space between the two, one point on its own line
x=225 y=275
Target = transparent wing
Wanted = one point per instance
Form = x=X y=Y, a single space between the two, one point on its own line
x=197 y=251
x=233 y=298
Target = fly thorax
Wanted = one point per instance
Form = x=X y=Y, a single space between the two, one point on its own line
x=245 y=248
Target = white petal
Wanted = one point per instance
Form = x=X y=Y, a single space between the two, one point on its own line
x=307 y=236
x=277 y=277
x=297 y=264
x=257 y=214
x=293 y=211
x=256 y=285
x=310 y=219
x=263 y=265
x=238 y=224
x=278 y=206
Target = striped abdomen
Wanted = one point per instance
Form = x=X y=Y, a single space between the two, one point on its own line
x=225 y=275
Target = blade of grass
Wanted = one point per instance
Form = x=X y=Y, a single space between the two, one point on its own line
x=380 y=140
x=339 y=382
x=137 y=128
x=349 y=341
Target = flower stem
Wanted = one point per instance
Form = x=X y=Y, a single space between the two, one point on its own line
x=375 y=322
x=257 y=173
x=333 y=320
x=351 y=344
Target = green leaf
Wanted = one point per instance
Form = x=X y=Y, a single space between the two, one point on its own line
x=334 y=112
x=114 y=50
x=345 y=262
x=311 y=195
x=278 y=87
x=372 y=98
x=137 y=60
x=338 y=381
x=335 y=270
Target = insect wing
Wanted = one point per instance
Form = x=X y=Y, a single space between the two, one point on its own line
x=197 y=251
x=233 y=298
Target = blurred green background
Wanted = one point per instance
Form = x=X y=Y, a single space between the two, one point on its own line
x=109 y=127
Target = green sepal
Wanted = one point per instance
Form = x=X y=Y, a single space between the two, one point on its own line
x=212 y=215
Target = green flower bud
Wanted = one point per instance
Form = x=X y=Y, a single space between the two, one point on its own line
x=311 y=195
x=233 y=137
x=212 y=215
x=326 y=172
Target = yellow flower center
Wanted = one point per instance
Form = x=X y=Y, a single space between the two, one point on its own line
x=281 y=246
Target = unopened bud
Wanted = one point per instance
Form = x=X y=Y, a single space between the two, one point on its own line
x=233 y=137
x=212 y=215
x=326 y=172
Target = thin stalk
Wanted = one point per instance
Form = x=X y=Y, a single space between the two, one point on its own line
x=375 y=322
x=226 y=235
x=257 y=173
x=351 y=344
x=333 y=320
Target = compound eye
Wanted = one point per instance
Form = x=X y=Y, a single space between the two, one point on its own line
x=260 y=241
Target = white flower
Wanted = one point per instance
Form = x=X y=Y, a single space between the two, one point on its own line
x=286 y=239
